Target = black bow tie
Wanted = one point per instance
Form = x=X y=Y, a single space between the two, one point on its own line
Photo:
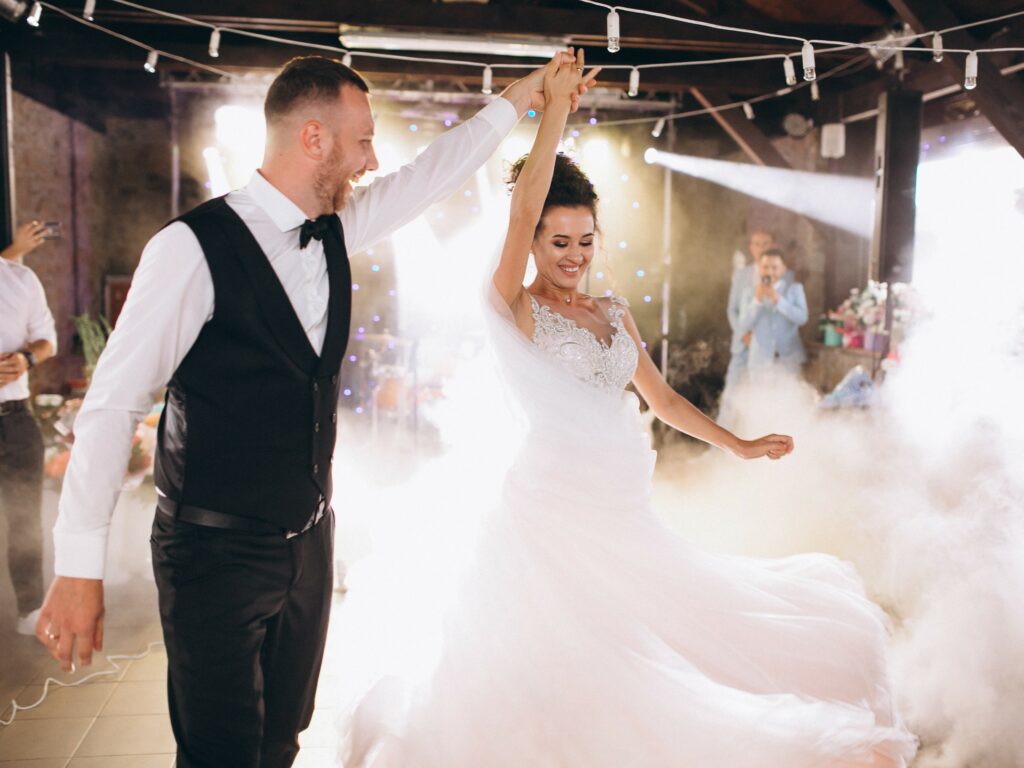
x=315 y=228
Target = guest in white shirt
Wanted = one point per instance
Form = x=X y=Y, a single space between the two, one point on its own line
x=27 y=337
x=743 y=275
x=246 y=299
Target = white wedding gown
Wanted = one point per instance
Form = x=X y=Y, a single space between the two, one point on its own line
x=586 y=635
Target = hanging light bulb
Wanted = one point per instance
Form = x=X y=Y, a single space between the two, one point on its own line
x=613 y=32
x=971 y=71
x=151 y=60
x=658 y=128
x=488 y=83
x=790 y=70
x=748 y=110
x=815 y=93
x=89 y=10
x=34 y=15
x=807 y=55
x=937 y=52
x=634 y=81
x=347 y=59
x=215 y=43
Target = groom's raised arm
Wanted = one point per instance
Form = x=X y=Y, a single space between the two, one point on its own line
x=390 y=202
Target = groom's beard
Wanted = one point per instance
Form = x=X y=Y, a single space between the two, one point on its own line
x=330 y=187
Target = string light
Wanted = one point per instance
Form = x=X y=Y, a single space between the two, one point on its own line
x=89 y=10
x=613 y=31
x=971 y=71
x=748 y=110
x=634 y=82
x=151 y=60
x=807 y=52
x=815 y=93
x=488 y=83
x=347 y=59
x=807 y=56
x=790 y=70
x=215 y=43
x=937 y=53
x=658 y=128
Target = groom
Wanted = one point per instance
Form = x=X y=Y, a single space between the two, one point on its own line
x=241 y=309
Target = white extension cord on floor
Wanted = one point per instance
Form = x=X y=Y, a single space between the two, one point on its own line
x=113 y=660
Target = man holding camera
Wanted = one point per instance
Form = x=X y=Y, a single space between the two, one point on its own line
x=772 y=311
x=27 y=337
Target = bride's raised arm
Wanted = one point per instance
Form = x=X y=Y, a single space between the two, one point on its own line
x=561 y=83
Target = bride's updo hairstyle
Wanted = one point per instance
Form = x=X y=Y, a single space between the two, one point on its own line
x=570 y=186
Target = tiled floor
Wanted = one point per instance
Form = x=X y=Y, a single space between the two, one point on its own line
x=115 y=721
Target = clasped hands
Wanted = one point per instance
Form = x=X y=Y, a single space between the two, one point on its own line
x=564 y=80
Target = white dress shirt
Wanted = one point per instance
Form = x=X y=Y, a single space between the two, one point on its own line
x=172 y=297
x=24 y=318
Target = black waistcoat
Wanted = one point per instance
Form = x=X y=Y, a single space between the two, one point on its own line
x=250 y=416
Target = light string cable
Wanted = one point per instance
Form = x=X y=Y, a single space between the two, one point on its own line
x=843 y=44
x=133 y=41
x=115 y=668
x=731 y=105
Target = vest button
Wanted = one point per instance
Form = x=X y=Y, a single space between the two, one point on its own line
x=316 y=427
x=316 y=469
x=334 y=379
x=316 y=387
x=334 y=418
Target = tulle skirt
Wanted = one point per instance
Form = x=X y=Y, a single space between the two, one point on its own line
x=584 y=634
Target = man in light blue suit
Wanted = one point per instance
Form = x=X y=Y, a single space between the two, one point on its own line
x=772 y=309
x=742 y=277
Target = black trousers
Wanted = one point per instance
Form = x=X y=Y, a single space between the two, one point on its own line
x=21 y=496
x=244 y=619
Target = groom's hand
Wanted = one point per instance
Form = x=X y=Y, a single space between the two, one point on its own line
x=71 y=620
x=528 y=92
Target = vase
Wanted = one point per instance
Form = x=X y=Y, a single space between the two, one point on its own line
x=833 y=338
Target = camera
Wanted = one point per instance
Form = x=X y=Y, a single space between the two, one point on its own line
x=51 y=230
x=766 y=280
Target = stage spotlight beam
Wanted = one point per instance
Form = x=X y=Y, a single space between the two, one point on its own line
x=841 y=201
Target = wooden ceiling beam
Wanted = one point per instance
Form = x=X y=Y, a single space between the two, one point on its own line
x=1000 y=98
x=62 y=46
x=582 y=26
x=748 y=136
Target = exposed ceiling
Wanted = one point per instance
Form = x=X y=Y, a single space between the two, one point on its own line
x=90 y=65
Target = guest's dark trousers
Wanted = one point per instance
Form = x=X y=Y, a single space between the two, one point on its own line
x=21 y=495
x=244 y=620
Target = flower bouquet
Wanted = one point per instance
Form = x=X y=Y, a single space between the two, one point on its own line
x=863 y=317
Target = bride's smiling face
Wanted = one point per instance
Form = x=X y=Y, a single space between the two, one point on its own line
x=564 y=246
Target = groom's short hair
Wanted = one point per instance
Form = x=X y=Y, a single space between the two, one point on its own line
x=307 y=79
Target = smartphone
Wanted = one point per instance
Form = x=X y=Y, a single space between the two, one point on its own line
x=51 y=230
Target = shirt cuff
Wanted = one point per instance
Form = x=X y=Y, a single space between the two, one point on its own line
x=501 y=114
x=80 y=555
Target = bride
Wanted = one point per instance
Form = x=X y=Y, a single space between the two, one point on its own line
x=587 y=635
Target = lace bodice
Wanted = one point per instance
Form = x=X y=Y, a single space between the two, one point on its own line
x=607 y=366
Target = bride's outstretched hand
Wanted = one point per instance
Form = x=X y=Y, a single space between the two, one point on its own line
x=772 y=446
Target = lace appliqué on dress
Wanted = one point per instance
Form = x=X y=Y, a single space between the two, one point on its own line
x=607 y=366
